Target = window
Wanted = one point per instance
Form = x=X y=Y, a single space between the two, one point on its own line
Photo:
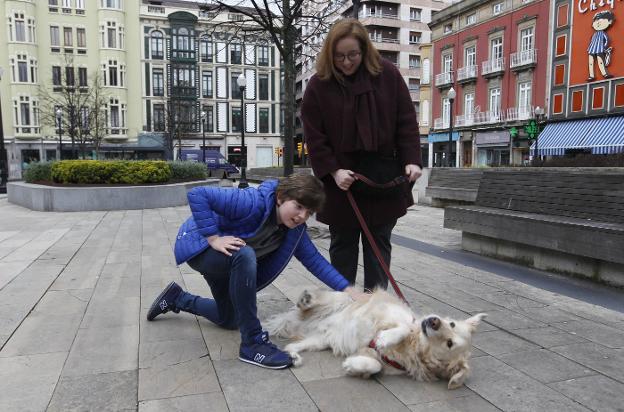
x=55 y=36
x=470 y=56
x=112 y=73
x=158 y=82
x=116 y=117
x=207 y=84
x=524 y=95
x=183 y=43
x=415 y=37
x=26 y=113
x=31 y=31
x=263 y=87
x=81 y=37
x=263 y=120
x=495 y=101
x=498 y=8
x=526 y=39
x=447 y=63
x=236 y=119
x=22 y=70
x=414 y=85
x=468 y=104
x=53 y=6
x=56 y=75
x=67 y=6
x=80 y=6
x=68 y=38
x=209 y=119
x=83 y=118
x=448 y=28
x=263 y=55
x=69 y=76
x=414 y=61
x=235 y=53
x=471 y=19
x=82 y=77
x=110 y=4
x=496 y=48
x=20 y=27
x=157 y=45
x=111 y=35
x=446 y=111
x=183 y=76
x=236 y=93
x=158 y=115
x=205 y=50
x=415 y=14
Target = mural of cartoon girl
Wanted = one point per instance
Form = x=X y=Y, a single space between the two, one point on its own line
x=599 y=44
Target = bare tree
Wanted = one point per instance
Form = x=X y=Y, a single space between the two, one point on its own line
x=289 y=24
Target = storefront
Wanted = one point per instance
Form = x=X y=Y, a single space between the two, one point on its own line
x=492 y=148
x=438 y=143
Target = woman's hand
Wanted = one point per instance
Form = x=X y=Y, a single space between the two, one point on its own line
x=344 y=178
x=224 y=244
x=356 y=294
x=413 y=171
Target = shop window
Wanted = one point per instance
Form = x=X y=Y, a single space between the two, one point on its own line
x=560 y=49
x=562 y=15
x=577 y=101
x=598 y=98
x=558 y=103
x=619 y=95
x=559 y=74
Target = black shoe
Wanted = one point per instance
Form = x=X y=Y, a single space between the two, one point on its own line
x=165 y=301
x=608 y=76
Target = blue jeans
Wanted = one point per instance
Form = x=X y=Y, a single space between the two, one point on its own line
x=232 y=280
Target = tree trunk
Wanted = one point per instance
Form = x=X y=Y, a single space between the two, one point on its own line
x=290 y=72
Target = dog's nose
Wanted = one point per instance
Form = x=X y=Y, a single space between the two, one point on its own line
x=434 y=323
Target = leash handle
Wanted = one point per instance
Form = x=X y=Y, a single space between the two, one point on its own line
x=394 y=182
x=373 y=244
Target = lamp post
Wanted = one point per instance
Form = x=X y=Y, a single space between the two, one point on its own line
x=4 y=164
x=242 y=83
x=451 y=94
x=59 y=114
x=539 y=112
x=203 y=119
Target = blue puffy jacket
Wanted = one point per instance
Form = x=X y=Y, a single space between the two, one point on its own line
x=232 y=212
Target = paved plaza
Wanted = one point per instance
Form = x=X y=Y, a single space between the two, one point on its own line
x=75 y=288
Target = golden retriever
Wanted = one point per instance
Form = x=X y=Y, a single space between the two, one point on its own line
x=379 y=333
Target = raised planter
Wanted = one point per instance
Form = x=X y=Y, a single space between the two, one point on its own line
x=80 y=199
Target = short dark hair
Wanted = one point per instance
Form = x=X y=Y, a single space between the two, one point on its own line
x=305 y=189
x=606 y=14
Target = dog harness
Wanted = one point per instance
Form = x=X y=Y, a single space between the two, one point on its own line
x=394 y=364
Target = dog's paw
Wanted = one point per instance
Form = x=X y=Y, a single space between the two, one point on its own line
x=296 y=359
x=361 y=366
x=383 y=340
x=305 y=300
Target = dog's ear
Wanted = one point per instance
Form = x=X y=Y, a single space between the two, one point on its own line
x=474 y=321
x=459 y=377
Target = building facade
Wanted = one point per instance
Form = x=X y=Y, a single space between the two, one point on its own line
x=156 y=62
x=494 y=54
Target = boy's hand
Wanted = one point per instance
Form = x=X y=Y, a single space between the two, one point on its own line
x=356 y=294
x=224 y=244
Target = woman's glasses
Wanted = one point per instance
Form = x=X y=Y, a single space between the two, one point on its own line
x=352 y=56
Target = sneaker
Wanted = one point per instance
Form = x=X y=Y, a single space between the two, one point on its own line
x=165 y=301
x=264 y=354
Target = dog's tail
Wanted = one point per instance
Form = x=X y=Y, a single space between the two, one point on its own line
x=284 y=325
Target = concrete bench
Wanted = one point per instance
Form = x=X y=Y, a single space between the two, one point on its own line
x=564 y=220
x=453 y=186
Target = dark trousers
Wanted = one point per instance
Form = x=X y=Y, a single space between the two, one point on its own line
x=344 y=249
x=232 y=280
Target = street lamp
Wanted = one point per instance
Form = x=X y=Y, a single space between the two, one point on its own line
x=4 y=164
x=539 y=112
x=203 y=119
x=59 y=114
x=451 y=94
x=242 y=83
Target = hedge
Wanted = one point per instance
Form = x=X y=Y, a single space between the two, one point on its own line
x=110 y=172
x=38 y=172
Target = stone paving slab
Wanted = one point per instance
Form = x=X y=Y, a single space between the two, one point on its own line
x=73 y=336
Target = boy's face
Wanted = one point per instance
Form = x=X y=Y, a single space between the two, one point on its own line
x=601 y=24
x=291 y=213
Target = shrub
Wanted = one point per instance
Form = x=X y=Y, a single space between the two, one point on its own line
x=38 y=172
x=110 y=172
x=586 y=160
x=188 y=171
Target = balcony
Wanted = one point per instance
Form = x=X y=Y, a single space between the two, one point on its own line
x=444 y=79
x=464 y=120
x=487 y=117
x=523 y=60
x=467 y=74
x=440 y=123
x=379 y=39
x=520 y=113
x=494 y=67
x=378 y=15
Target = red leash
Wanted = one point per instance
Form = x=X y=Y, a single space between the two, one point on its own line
x=397 y=181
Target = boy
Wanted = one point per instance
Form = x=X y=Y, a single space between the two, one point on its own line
x=240 y=241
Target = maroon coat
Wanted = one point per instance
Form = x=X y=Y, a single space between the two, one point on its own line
x=365 y=113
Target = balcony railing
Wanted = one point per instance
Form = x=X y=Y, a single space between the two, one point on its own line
x=440 y=123
x=468 y=72
x=487 y=117
x=520 y=113
x=523 y=58
x=464 y=120
x=493 y=66
x=443 y=79
x=156 y=9
x=379 y=39
x=378 y=14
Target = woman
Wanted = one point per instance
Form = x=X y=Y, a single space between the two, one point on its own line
x=357 y=104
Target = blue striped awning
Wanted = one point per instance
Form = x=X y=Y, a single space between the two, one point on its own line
x=604 y=135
